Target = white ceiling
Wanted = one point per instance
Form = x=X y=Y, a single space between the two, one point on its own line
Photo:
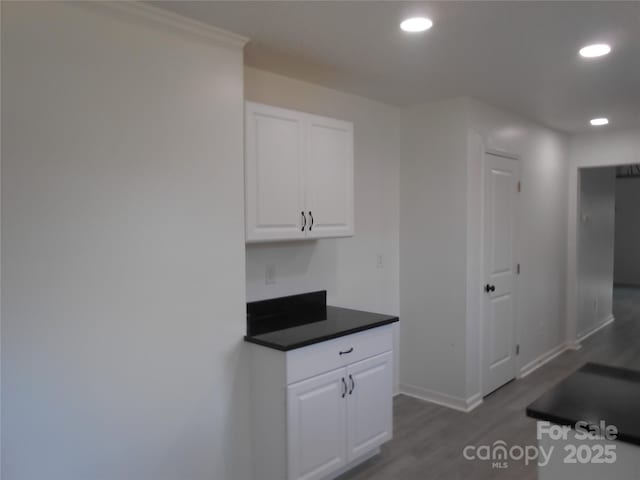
x=522 y=56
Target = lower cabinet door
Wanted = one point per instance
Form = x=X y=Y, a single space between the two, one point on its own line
x=317 y=425
x=369 y=405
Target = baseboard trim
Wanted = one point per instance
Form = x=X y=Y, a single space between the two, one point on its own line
x=543 y=359
x=582 y=337
x=456 y=403
x=473 y=401
x=353 y=464
x=575 y=346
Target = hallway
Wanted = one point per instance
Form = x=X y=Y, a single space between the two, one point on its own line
x=429 y=439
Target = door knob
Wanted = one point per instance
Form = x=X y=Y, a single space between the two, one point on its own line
x=489 y=288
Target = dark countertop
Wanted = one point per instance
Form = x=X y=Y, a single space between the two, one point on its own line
x=297 y=321
x=594 y=393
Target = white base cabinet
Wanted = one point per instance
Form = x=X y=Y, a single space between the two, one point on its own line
x=317 y=426
x=312 y=424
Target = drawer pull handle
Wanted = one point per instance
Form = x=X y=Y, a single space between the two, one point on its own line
x=344 y=388
x=353 y=384
x=347 y=351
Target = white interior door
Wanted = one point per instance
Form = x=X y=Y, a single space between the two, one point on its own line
x=329 y=177
x=274 y=175
x=317 y=426
x=370 y=408
x=500 y=212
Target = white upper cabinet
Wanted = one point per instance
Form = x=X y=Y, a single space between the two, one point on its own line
x=274 y=173
x=299 y=175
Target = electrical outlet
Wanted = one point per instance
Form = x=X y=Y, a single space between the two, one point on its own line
x=270 y=275
x=379 y=262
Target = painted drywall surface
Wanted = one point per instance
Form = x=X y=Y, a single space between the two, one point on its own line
x=0 y=245
x=122 y=246
x=541 y=249
x=627 y=241
x=598 y=149
x=443 y=146
x=596 y=230
x=433 y=248
x=605 y=148
x=346 y=267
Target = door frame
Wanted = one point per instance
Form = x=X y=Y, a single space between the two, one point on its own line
x=482 y=273
x=573 y=342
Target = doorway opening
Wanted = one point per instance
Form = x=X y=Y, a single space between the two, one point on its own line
x=608 y=239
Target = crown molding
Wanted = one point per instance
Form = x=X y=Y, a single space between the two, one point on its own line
x=173 y=20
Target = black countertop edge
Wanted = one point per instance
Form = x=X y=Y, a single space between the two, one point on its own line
x=319 y=339
x=569 y=396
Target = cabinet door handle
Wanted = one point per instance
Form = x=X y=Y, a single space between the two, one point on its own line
x=344 y=388
x=345 y=352
x=311 y=215
x=304 y=221
x=353 y=384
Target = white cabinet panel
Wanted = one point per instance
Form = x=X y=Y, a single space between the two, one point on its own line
x=328 y=422
x=329 y=177
x=274 y=173
x=312 y=360
x=370 y=409
x=298 y=175
x=317 y=426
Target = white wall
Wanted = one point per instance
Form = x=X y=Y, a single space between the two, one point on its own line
x=0 y=244
x=443 y=145
x=596 y=230
x=433 y=250
x=627 y=237
x=123 y=299
x=594 y=149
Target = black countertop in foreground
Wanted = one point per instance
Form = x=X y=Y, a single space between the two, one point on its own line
x=594 y=393
x=293 y=322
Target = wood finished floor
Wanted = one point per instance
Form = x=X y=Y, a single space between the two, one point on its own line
x=429 y=439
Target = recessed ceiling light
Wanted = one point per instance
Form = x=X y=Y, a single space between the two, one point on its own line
x=596 y=122
x=416 y=24
x=597 y=50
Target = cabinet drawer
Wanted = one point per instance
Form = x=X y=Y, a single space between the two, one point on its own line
x=325 y=356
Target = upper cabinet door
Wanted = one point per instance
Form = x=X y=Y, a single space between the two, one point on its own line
x=329 y=177
x=274 y=173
